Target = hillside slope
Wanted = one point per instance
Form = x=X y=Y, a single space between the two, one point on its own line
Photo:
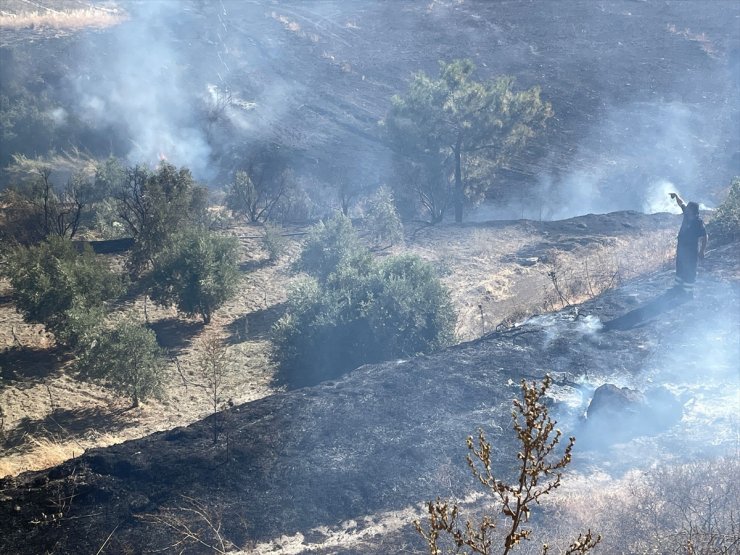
x=642 y=91
x=389 y=436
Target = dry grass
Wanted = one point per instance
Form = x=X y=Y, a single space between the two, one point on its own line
x=69 y=19
x=46 y=452
x=675 y=508
x=487 y=287
x=578 y=277
x=30 y=399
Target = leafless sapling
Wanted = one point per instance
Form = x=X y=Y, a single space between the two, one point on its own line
x=539 y=473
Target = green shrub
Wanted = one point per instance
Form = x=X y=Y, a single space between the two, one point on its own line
x=724 y=227
x=330 y=244
x=198 y=271
x=128 y=359
x=410 y=311
x=274 y=241
x=359 y=313
x=382 y=218
x=66 y=290
x=155 y=206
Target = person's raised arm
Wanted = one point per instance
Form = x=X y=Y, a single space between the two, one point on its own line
x=678 y=200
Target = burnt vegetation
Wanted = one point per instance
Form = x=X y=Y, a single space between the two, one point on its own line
x=108 y=212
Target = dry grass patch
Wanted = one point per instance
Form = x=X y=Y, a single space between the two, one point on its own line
x=46 y=452
x=75 y=19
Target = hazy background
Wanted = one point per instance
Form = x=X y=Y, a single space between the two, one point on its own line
x=645 y=94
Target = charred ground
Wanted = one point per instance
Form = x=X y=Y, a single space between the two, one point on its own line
x=388 y=436
x=641 y=90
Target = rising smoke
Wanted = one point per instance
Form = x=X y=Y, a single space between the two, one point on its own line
x=158 y=77
x=165 y=79
x=136 y=81
x=633 y=158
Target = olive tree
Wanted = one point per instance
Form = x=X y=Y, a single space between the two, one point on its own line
x=60 y=287
x=354 y=310
x=155 y=206
x=127 y=359
x=197 y=272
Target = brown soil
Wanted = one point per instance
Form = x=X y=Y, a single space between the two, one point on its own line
x=497 y=273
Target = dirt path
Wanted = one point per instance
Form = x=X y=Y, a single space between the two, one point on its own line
x=497 y=273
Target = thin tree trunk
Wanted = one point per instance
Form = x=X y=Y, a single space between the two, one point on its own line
x=458 y=195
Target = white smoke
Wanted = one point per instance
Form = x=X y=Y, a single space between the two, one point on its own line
x=58 y=116
x=658 y=198
x=142 y=87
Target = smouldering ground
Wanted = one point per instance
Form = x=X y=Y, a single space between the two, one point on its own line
x=497 y=273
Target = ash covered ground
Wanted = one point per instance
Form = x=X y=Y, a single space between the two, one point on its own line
x=386 y=437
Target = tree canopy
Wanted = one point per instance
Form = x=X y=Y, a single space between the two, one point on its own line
x=128 y=359
x=458 y=131
x=355 y=310
x=66 y=290
x=197 y=272
x=154 y=206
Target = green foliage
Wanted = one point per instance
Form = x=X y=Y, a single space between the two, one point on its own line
x=538 y=475
x=330 y=244
x=382 y=218
x=128 y=359
x=274 y=241
x=456 y=127
x=155 y=206
x=197 y=272
x=724 y=227
x=26 y=125
x=360 y=311
x=66 y=290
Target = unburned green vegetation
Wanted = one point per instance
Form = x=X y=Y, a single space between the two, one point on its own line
x=353 y=309
x=724 y=225
x=62 y=288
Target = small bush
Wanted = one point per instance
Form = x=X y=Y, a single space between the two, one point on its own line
x=66 y=290
x=274 y=242
x=197 y=272
x=328 y=245
x=353 y=313
x=128 y=359
x=382 y=218
x=724 y=227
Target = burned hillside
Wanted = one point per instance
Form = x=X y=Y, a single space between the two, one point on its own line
x=265 y=265
x=389 y=436
x=202 y=83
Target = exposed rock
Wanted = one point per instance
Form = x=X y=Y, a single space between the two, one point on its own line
x=609 y=401
x=615 y=414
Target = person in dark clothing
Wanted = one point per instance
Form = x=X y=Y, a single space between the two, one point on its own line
x=692 y=242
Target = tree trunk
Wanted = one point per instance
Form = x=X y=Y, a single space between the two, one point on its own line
x=459 y=197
